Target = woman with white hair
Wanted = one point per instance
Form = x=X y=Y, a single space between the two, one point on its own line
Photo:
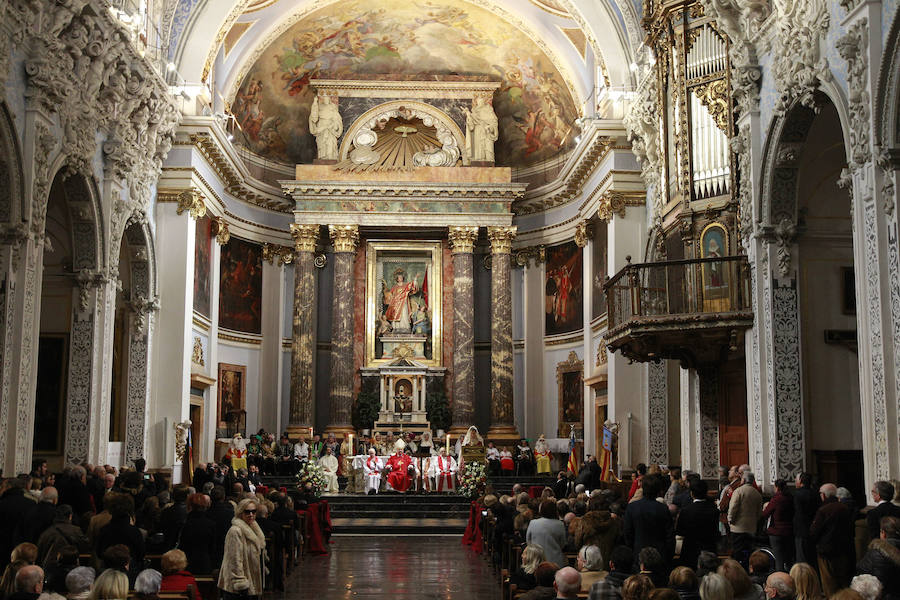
x=79 y=582
x=112 y=584
x=715 y=587
x=590 y=563
x=146 y=586
x=868 y=586
x=241 y=574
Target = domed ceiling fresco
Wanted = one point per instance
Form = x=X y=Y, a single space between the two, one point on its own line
x=386 y=39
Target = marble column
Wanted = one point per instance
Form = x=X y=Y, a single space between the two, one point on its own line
x=345 y=238
x=303 y=333
x=462 y=243
x=502 y=418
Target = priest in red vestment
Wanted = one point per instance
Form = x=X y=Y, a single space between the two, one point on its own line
x=400 y=469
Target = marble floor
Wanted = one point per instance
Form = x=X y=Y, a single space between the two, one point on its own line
x=420 y=567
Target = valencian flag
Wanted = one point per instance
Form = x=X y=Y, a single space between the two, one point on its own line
x=573 y=460
x=606 y=444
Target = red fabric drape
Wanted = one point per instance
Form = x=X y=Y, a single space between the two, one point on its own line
x=318 y=527
x=472 y=536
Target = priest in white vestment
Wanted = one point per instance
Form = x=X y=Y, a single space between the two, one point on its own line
x=372 y=469
x=329 y=464
x=443 y=470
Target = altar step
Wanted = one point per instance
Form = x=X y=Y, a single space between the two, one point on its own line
x=392 y=513
x=503 y=484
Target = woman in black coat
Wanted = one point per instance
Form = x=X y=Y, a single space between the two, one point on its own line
x=120 y=530
x=198 y=536
x=883 y=559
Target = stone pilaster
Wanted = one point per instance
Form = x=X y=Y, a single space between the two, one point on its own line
x=345 y=238
x=303 y=337
x=462 y=243
x=502 y=418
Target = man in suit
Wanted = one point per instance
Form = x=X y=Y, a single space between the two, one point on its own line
x=832 y=531
x=882 y=494
x=698 y=524
x=649 y=523
x=806 y=502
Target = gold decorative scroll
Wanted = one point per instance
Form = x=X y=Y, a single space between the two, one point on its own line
x=305 y=237
x=714 y=96
x=501 y=239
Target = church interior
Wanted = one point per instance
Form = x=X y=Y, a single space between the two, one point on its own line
x=646 y=231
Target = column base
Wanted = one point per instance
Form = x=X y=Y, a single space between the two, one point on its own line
x=340 y=430
x=295 y=431
x=458 y=430
x=503 y=434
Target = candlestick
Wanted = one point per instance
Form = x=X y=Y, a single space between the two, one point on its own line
x=448 y=443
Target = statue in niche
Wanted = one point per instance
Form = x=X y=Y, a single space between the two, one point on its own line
x=481 y=130
x=402 y=399
x=326 y=125
x=396 y=298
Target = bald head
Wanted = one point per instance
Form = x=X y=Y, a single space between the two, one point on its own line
x=567 y=583
x=779 y=586
x=49 y=494
x=30 y=580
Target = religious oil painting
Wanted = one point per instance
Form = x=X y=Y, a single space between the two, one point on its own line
x=714 y=244
x=570 y=379
x=563 y=290
x=240 y=287
x=422 y=39
x=403 y=301
x=202 y=262
x=232 y=388
x=599 y=255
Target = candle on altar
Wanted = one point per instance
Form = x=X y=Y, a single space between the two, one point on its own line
x=352 y=453
x=448 y=443
x=310 y=433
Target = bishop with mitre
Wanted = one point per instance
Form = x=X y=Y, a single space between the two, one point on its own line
x=329 y=464
x=443 y=470
x=372 y=470
x=400 y=469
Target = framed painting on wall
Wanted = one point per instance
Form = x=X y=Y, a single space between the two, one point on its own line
x=202 y=262
x=403 y=301
x=563 y=289
x=232 y=388
x=570 y=379
x=240 y=288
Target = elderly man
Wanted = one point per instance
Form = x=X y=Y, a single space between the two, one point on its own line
x=567 y=583
x=443 y=471
x=29 y=583
x=882 y=494
x=329 y=464
x=779 y=586
x=832 y=532
x=372 y=471
x=744 y=512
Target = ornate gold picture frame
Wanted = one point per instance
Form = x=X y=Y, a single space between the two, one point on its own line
x=404 y=300
x=570 y=379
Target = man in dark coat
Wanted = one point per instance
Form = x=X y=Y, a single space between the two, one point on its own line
x=40 y=516
x=882 y=494
x=60 y=535
x=174 y=517
x=806 y=502
x=13 y=505
x=649 y=523
x=698 y=523
x=882 y=559
x=74 y=492
x=832 y=531
x=221 y=512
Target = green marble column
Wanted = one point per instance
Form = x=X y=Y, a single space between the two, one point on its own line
x=462 y=243
x=503 y=425
x=303 y=338
x=345 y=238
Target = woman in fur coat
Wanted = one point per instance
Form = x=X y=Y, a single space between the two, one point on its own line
x=241 y=575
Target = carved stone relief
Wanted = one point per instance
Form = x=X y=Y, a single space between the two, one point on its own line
x=788 y=394
x=658 y=434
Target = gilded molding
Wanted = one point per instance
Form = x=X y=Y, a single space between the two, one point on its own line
x=220 y=229
x=344 y=237
x=501 y=239
x=614 y=203
x=191 y=200
x=530 y=254
x=253 y=341
x=462 y=239
x=583 y=232
x=273 y=253
x=572 y=339
x=305 y=237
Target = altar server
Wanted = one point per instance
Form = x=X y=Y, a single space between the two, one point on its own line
x=372 y=469
x=443 y=469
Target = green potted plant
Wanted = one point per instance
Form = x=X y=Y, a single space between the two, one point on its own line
x=365 y=411
x=438 y=410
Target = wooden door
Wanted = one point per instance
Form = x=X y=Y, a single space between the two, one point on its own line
x=733 y=445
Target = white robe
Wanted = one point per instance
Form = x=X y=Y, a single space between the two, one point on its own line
x=373 y=473
x=329 y=464
x=443 y=470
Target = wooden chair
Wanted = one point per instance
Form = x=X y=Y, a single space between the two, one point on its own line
x=208 y=586
x=504 y=584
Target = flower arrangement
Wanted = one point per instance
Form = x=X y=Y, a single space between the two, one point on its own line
x=311 y=479
x=472 y=479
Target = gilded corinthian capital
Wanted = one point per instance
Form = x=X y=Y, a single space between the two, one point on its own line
x=501 y=239
x=462 y=239
x=345 y=237
x=305 y=237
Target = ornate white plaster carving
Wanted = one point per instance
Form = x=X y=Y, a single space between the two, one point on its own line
x=658 y=433
x=785 y=233
x=326 y=125
x=740 y=145
x=799 y=64
x=445 y=156
x=642 y=124
x=709 y=423
x=853 y=48
x=788 y=396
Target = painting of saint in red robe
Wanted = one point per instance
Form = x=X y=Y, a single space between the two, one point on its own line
x=202 y=254
x=563 y=289
x=240 y=286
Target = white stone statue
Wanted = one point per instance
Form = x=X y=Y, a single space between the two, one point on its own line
x=481 y=130
x=325 y=123
x=445 y=156
x=363 y=153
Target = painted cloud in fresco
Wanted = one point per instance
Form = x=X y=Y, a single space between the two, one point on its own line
x=410 y=40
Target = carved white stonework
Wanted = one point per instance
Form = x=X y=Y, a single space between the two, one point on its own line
x=788 y=394
x=755 y=396
x=445 y=156
x=326 y=125
x=642 y=124
x=799 y=64
x=482 y=130
x=709 y=423
x=27 y=369
x=853 y=48
x=137 y=397
x=740 y=145
x=658 y=434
